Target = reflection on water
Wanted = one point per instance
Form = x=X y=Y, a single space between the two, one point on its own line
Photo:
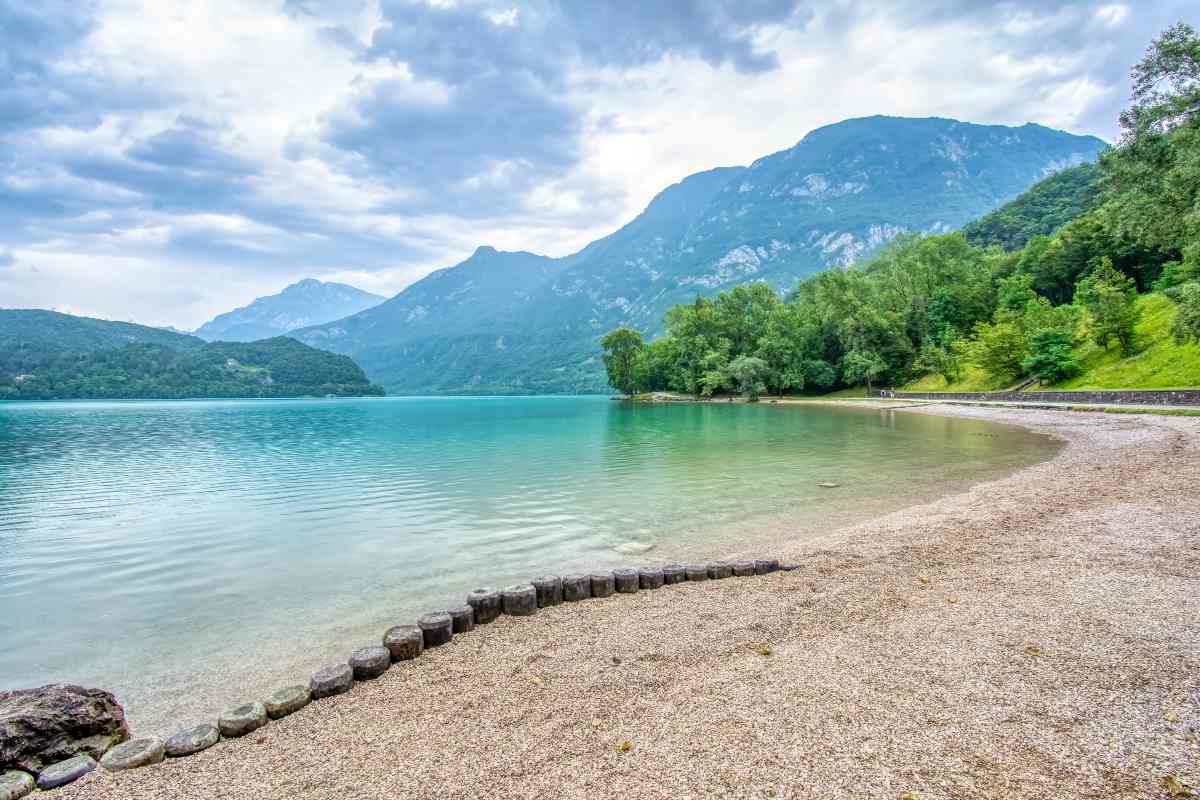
x=154 y=548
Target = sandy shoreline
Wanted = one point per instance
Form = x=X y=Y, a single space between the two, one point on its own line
x=1053 y=652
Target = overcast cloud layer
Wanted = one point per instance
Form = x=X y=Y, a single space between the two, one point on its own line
x=162 y=161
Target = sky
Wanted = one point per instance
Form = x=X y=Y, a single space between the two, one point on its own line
x=162 y=161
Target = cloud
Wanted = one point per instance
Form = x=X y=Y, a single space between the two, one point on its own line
x=215 y=151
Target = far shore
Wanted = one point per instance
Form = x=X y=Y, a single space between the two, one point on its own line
x=1035 y=636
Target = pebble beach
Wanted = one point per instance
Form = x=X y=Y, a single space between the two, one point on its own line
x=1035 y=636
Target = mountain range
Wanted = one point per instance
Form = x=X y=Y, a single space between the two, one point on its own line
x=518 y=322
x=308 y=302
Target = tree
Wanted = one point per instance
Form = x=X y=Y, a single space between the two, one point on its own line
x=1051 y=357
x=1166 y=84
x=1186 y=327
x=748 y=374
x=621 y=348
x=862 y=366
x=940 y=360
x=1110 y=299
x=999 y=348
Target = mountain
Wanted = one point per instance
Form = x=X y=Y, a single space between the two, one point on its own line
x=1045 y=208
x=309 y=302
x=45 y=355
x=839 y=194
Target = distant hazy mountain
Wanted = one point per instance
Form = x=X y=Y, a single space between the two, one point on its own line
x=45 y=355
x=309 y=302
x=518 y=322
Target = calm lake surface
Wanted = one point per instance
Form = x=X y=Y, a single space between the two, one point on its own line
x=190 y=555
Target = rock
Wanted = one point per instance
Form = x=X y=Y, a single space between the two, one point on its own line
x=743 y=569
x=15 y=785
x=576 y=587
x=549 y=590
x=674 y=573
x=64 y=772
x=486 y=603
x=369 y=663
x=288 y=700
x=789 y=566
x=436 y=629
x=765 y=565
x=52 y=723
x=133 y=754
x=404 y=642
x=651 y=577
x=828 y=485
x=626 y=580
x=520 y=600
x=603 y=584
x=696 y=572
x=720 y=569
x=634 y=548
x=462 y=619
x=243 y=719
x=331 y=680
x=192 y=741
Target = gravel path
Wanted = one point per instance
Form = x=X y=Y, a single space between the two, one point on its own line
x=1035 y=637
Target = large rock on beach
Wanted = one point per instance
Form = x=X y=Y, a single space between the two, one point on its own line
x=15 y=785
x=56 y=722
x=64 y=772
x=651 y=577
x=192 y=741
x=696 y=572
x=462 y=619
x=603 y=584
x=743 y=569
x=404 y=642
x=287 y=700
x=133 y=754
x=331 y=680
x=674 y=573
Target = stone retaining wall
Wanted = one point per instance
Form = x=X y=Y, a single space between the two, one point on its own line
x=1139 y=397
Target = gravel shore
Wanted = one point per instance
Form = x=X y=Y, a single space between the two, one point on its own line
x=1034 y=637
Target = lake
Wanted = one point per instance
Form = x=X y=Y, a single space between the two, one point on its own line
x=190 y=555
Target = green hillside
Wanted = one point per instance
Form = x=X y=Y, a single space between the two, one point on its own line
x=45 y=355
x=1158 y=361
x=1089 y=279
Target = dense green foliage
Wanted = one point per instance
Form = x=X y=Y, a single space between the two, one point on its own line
x=520 y=323
x=946 y=305
x=49 y=356
x=1043 y=209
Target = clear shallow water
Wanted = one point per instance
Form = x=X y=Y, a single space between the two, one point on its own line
x=189 y=555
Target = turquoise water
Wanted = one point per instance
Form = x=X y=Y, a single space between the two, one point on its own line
x=189 y=555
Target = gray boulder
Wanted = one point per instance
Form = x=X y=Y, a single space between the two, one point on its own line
x=603 y=584
x=651 y=577
x=743 y=569
x=133 y=754
x=370 y=662
x=192 y=741
x=520 y=600
x=486 y=604
x=437 y=629
x=64 y=772
x=286 y=701
x=674 y=573
x=462 y=619
x=331 y=680
x=576 y=588
x=404 y=642
x=15 y=785
x=243 y=719
x=549 y=590
x=626 y=580
x=55 y=722
x=696 y=572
